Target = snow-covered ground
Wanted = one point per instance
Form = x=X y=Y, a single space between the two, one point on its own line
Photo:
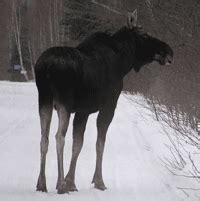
x=132 y=166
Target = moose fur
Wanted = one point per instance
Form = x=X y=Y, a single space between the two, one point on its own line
x=84 y=80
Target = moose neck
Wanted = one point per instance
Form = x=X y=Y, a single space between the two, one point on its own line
x=130 y=62
x=125 y=60
x=127 y=53
x=125 y=64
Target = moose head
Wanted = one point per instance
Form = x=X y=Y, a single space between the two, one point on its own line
x=147 y=47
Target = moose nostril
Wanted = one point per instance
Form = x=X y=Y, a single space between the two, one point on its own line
x=169 y=59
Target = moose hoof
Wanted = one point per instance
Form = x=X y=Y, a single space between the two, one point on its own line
x=70 y=185
x=61 y=188
x=41 y=187
x=71 y=188
x=99 y=185
x=41 y=184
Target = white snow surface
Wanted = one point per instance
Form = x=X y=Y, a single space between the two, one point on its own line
x=132 y=166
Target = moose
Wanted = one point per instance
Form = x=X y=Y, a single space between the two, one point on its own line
x=86 y=79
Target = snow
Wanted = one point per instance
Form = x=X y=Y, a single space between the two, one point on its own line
x=132 y=166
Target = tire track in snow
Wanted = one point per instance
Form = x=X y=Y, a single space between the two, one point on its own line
x=10 y=131
x=11 y=93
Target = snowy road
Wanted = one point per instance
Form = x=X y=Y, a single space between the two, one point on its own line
x=132 y=169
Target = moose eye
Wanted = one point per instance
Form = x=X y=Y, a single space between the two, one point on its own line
x=162 y=53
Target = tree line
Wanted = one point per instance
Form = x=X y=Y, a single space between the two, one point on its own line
x=35 y=25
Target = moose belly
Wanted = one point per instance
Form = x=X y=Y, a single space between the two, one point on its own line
x=89 y=99
x=87 y=102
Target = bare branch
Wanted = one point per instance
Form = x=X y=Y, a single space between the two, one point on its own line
x=107 y=7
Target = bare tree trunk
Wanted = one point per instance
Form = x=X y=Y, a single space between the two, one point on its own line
x=150 y=10
x=31 y=59
x=41 y=34
x=16 y=23
x=62 y=36
x=56 y=19
x=50 y=25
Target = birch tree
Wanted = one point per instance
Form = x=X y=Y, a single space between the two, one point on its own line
x=17 y=29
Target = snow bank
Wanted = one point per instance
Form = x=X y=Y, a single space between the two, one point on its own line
x=132 y=168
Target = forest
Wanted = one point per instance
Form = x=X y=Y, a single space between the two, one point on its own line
x=28 y=27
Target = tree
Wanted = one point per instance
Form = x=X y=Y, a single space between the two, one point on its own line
x=17 y=31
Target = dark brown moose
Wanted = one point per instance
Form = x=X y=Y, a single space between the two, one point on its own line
x=84 y=80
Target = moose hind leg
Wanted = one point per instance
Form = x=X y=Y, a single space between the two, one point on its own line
x=45 y=111
x=63 y=116
x=103 y=121
x=79 y=125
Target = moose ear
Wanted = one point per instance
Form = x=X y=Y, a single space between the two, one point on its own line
x=132 y=19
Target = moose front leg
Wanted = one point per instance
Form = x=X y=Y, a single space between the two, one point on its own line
x=103 y=121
